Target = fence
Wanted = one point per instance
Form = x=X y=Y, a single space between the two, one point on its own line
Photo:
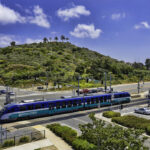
x=32 y=136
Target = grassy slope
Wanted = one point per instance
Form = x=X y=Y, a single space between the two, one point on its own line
x=61 y=62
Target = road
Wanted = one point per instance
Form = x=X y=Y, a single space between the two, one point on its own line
x=22 y=94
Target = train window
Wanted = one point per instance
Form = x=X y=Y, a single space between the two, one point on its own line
x=92 y=101
x=64 y=104
x=74 y=103
x=37 y=106
x=42 y=105
x=105 y=98
x=101 y=99
x=79 y=102
x=97 y=100
x=69 y=104
x=22 y=108
x=12 y=110
x=88 y=101
x=51 y=107
x=30 y=107
x=58 y=105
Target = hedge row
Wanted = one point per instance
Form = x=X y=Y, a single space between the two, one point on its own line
x=70 y=136
x=111 y=114
x=80 y=144
x=133 y=122
x=65 y=132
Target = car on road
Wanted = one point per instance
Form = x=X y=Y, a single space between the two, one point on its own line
x=145 y=111
x=11 y=93
x=2 y=91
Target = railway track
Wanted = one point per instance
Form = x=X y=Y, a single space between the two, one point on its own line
x=61 y=117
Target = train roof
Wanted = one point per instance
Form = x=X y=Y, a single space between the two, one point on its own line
x=27 y=102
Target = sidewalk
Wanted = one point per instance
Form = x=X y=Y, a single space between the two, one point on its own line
x=57 y=141
x=32 y=145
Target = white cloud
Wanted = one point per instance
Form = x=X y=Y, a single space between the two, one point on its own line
x=8 y=15
x=5 y=40
x=143 y=24
x=39 y=18
x=29 y=41
x=74 y=12
x=86 y=31
x=117 y=16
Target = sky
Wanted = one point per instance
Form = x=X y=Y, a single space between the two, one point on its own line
x=116 y=28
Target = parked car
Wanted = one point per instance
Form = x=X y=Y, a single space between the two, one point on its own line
x=100 y=89
x=93 y=91
x=83 y=91
x=2 y=91
x=145 y=111
x=11 y=93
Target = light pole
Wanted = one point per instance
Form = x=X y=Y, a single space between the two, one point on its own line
x=105 y=82
x=138 y=87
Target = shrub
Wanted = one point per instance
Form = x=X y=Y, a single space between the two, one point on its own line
x=8 y=143
x=79 y=144
x=111 y=114
x=65 y=132
x=148 y=130
x=132 y=122
x=24 y=139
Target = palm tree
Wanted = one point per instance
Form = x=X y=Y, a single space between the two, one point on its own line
x=56 y=38
x=62 y=37
x=45 y=40
x=67 y=39
x=13 y=43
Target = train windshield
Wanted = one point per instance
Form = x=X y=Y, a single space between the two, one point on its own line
x=2 y=111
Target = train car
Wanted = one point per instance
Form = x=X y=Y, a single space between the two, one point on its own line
x=31 y=109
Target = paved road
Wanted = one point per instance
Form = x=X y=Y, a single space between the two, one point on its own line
x=22 y=94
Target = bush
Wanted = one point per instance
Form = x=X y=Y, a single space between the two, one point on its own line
x=65 y=132
x=148 y=130
x=24 y=139
x=79 y=144
x=8 y=143
x=111 y=114
x=132 y=122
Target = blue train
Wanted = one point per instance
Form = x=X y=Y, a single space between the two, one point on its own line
x=31 y=109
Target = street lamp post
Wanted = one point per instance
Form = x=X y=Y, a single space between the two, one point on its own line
x=105 y=82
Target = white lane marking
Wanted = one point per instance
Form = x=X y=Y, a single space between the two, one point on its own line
x=23 y=122
x=80 y=120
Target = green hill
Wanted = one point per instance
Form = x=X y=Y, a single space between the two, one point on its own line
x=37 y=63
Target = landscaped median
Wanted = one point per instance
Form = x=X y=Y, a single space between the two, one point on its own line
x=133 y=122
x=111 y=114
x=70 y=136
x=129 y=121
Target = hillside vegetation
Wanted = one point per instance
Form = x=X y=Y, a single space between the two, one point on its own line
x=63 y=62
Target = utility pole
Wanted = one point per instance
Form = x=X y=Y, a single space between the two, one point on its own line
x=138 y=87
x=105 y=82
x=7 y=95
x=110 y=82
x=78 y=85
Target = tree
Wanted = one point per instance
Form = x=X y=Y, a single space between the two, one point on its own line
x=67 y=39
x=147 y=63
x=138 y=65
x=56 y=38
x=62 y=37
x=106 y=136
x=13 y=43
x=45 y=40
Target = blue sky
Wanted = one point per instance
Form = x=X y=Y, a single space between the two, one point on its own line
x=117 y=28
